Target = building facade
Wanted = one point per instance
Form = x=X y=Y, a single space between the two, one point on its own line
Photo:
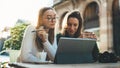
x=97 y=17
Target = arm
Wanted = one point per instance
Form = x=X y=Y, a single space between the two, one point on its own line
x=28 y=54
x=88 y=35
x=50 y=49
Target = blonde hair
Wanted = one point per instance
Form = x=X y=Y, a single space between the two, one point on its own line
x=64 y=23
x=40 y=23
x=40 y=16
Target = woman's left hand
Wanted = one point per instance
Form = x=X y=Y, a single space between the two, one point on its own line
x=88 y=35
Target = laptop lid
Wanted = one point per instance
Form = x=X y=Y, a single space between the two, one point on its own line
x=74 y=50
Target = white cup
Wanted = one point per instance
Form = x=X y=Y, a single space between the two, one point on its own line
x=43 y=56
x=14 y=55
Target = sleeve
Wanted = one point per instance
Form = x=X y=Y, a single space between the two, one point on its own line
x=51 y=49
x=27 y=45
x=58 y=37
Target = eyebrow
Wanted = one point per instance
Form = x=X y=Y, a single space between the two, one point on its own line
x=51 y=15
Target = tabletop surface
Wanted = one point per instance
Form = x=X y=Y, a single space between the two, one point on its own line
x=85 y=65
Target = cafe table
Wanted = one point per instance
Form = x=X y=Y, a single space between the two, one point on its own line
x=52 y=65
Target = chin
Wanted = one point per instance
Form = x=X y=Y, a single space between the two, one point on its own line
x=52 y=27
x=71 y=34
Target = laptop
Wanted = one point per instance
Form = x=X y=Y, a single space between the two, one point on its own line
x=74 y=51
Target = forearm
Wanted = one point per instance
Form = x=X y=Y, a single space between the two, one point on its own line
x=51 y=51
x=29 y=58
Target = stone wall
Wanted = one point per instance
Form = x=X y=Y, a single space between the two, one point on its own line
x=105 y=18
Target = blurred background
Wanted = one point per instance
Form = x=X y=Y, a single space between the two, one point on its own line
x=15 y=15
x=99 y=16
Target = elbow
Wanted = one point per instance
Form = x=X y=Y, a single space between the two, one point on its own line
x=29 y=58
x=51 y=56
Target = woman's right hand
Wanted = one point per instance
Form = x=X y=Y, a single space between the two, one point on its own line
x=42 y=34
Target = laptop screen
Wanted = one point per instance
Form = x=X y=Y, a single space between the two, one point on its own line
x=74 y=50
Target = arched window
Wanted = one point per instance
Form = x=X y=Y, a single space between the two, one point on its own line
x=91 y=18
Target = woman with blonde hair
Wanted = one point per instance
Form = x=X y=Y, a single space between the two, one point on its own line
x=40 y=38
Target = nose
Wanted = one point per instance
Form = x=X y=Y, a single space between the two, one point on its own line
x=72 y=27
x=52 y=20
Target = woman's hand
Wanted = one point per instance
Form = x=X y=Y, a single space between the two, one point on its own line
x=88 y=35
x=42 y=34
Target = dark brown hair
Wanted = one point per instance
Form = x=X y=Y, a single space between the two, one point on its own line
x=76 y=14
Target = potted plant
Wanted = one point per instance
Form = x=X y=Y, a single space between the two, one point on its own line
x=14 y=42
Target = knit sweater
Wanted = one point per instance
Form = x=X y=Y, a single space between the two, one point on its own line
x=29 y=51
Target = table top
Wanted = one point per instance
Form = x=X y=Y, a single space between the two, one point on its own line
x=84 y=65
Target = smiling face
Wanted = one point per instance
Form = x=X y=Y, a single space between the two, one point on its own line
x=49 y=19
x=72 y=26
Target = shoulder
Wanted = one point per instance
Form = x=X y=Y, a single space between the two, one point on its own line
x=59 y=35
x=30 y=28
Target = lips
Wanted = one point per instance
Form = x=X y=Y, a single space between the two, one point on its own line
x=71 y=32
x=52 y=24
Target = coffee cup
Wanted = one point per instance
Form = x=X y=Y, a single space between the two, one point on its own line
x=42 y=56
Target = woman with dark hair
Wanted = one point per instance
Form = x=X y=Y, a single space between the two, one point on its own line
x=40 y=38
x=72 y=27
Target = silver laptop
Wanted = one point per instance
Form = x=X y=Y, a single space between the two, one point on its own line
x=74 y=51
